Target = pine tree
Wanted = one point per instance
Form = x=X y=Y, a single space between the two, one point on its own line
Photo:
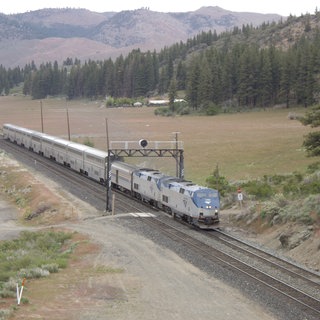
x=312 y=140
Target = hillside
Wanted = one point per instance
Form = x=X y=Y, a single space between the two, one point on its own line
x=55 y=34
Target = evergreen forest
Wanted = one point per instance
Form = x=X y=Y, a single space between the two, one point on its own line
x=248 y=67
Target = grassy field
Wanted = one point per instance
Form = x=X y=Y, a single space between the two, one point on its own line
x=243 y=145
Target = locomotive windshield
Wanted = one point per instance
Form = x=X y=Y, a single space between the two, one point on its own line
x=206 y=198
x=207 y=194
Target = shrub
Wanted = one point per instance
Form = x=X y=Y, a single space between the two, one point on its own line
x=184 y=111
x=269 y=211
x=52 y=268
x=5 y=293
x=311 y=184
x=33 y=273
x=311 y=205
x=163 y=111
x=88 y=142
x=277 y=179
x=212 y=109
x=305 y=211
x=4 y=314
x=312 y=168
x=261 y=190
x=218 y=182
x=280 y=200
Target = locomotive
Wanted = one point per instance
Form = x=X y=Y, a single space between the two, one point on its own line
x=190 y=202
x=194 y=204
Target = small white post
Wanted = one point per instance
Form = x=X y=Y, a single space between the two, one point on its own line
x=19 y=294
x=240 y=198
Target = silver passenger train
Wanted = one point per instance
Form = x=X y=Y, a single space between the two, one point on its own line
x=192 y=203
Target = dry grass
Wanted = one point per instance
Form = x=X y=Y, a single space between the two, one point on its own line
x=244 y=145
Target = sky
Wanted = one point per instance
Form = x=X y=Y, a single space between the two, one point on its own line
x=282 y=7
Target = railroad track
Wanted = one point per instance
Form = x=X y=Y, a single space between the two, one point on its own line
x=296 y=276
x=308 y=302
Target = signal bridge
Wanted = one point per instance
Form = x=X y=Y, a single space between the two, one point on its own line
x=144 y=148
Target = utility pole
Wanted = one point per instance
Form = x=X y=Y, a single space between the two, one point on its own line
x=176 y=154
x=41 y=116
x=68 y=123
x=108 y=173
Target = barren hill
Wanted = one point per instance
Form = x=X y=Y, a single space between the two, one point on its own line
x=56 y=34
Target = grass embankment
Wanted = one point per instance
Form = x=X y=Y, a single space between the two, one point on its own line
x=287 y=198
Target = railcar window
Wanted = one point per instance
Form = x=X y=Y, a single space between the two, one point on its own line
x=79 y=153
x=59 y=147
x=181 y=191
x=149 y=178
x=94 y=159
x=135 y=186
x=165 y=199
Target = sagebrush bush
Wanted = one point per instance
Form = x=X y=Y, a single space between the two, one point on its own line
x=260 y=189
x=280 y=200
x=52 y=267
x=33 y=273
x=269 y=211
x=4 y=314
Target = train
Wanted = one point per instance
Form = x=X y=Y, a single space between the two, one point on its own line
x=196 y=205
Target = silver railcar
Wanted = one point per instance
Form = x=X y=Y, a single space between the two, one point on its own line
x=81 y=158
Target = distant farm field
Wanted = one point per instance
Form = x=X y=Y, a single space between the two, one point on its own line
x=243 y=145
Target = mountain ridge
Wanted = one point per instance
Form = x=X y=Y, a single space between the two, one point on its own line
x=45 y=35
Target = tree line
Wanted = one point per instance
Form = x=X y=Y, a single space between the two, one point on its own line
x=226 y=70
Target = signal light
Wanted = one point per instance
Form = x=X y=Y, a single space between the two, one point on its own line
x=143 y=143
